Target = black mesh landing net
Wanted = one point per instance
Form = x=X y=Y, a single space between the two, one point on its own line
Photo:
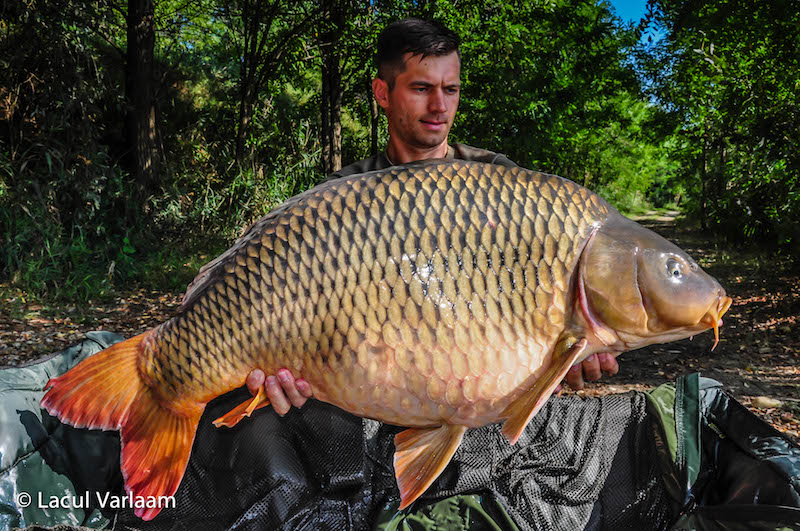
x=581 y=464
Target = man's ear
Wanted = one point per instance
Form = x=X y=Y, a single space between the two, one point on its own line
x=381 y=91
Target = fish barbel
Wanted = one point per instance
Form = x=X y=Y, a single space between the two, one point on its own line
x=438 y=296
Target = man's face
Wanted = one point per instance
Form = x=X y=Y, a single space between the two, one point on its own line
x=422 y=105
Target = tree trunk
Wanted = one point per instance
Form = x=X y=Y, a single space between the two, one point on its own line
x=722 y=181
x=703 y=184
x=245 y=115
x=374 y=116
x=139 y=87
x=331 y=104
x=336 y=116
x=325 y=117
x=250 y=21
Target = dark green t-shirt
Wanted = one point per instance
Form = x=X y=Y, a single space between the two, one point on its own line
x=454 y=151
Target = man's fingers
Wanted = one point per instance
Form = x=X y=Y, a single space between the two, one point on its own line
x=575 y=377
x=283 y=390
x=304 y=387
x=289 y=386
x=608 y=363
x=277 y=397
x=255 y=380
x=591 y=368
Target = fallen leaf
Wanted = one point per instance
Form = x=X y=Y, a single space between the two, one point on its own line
x=765 y=402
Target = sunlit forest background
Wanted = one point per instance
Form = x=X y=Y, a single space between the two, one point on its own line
x=138 y=138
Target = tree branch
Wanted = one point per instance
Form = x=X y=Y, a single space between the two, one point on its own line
x=277 y=51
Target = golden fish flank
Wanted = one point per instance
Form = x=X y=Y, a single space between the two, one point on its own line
x=481 y=279
x=437 y=296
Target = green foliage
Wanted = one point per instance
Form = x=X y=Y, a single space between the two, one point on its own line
x=63 y=209
x=727 y=73
x=559 y=95
x=705 y=120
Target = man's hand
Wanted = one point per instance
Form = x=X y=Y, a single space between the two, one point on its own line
x=592 y=369
x=283 y=390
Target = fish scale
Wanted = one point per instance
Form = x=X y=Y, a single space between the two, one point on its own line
x=452 y=298
x=437 y=296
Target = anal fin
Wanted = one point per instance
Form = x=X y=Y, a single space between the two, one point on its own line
x=156 y=444
x=522 y=410
x=421 y=454
x=245 y=409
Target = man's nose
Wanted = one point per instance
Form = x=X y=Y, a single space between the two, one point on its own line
x=437 y=102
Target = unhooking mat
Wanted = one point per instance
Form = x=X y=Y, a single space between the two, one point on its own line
x=685 y=456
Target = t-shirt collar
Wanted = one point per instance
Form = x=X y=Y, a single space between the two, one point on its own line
x=451 y=154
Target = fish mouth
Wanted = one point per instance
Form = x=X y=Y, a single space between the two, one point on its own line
x=712 y=317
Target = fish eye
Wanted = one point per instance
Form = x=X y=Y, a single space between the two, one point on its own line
x=674 y=269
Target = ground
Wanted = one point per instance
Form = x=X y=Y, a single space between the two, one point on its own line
x=756 y=359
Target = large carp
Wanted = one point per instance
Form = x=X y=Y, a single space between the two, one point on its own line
x=438 y=296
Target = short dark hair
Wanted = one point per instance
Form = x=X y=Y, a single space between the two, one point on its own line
x=415 y=35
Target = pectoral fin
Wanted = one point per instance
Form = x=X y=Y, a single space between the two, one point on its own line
x=245 y=409
x=522 y=410
x=421 y=454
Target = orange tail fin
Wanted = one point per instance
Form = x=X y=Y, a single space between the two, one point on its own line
x=106 y=391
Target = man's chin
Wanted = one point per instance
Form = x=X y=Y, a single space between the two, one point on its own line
x=430 y=141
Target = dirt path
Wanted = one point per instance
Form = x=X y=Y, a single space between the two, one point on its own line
x=756 y=359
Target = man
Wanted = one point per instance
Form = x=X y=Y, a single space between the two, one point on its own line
x=418 y=85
